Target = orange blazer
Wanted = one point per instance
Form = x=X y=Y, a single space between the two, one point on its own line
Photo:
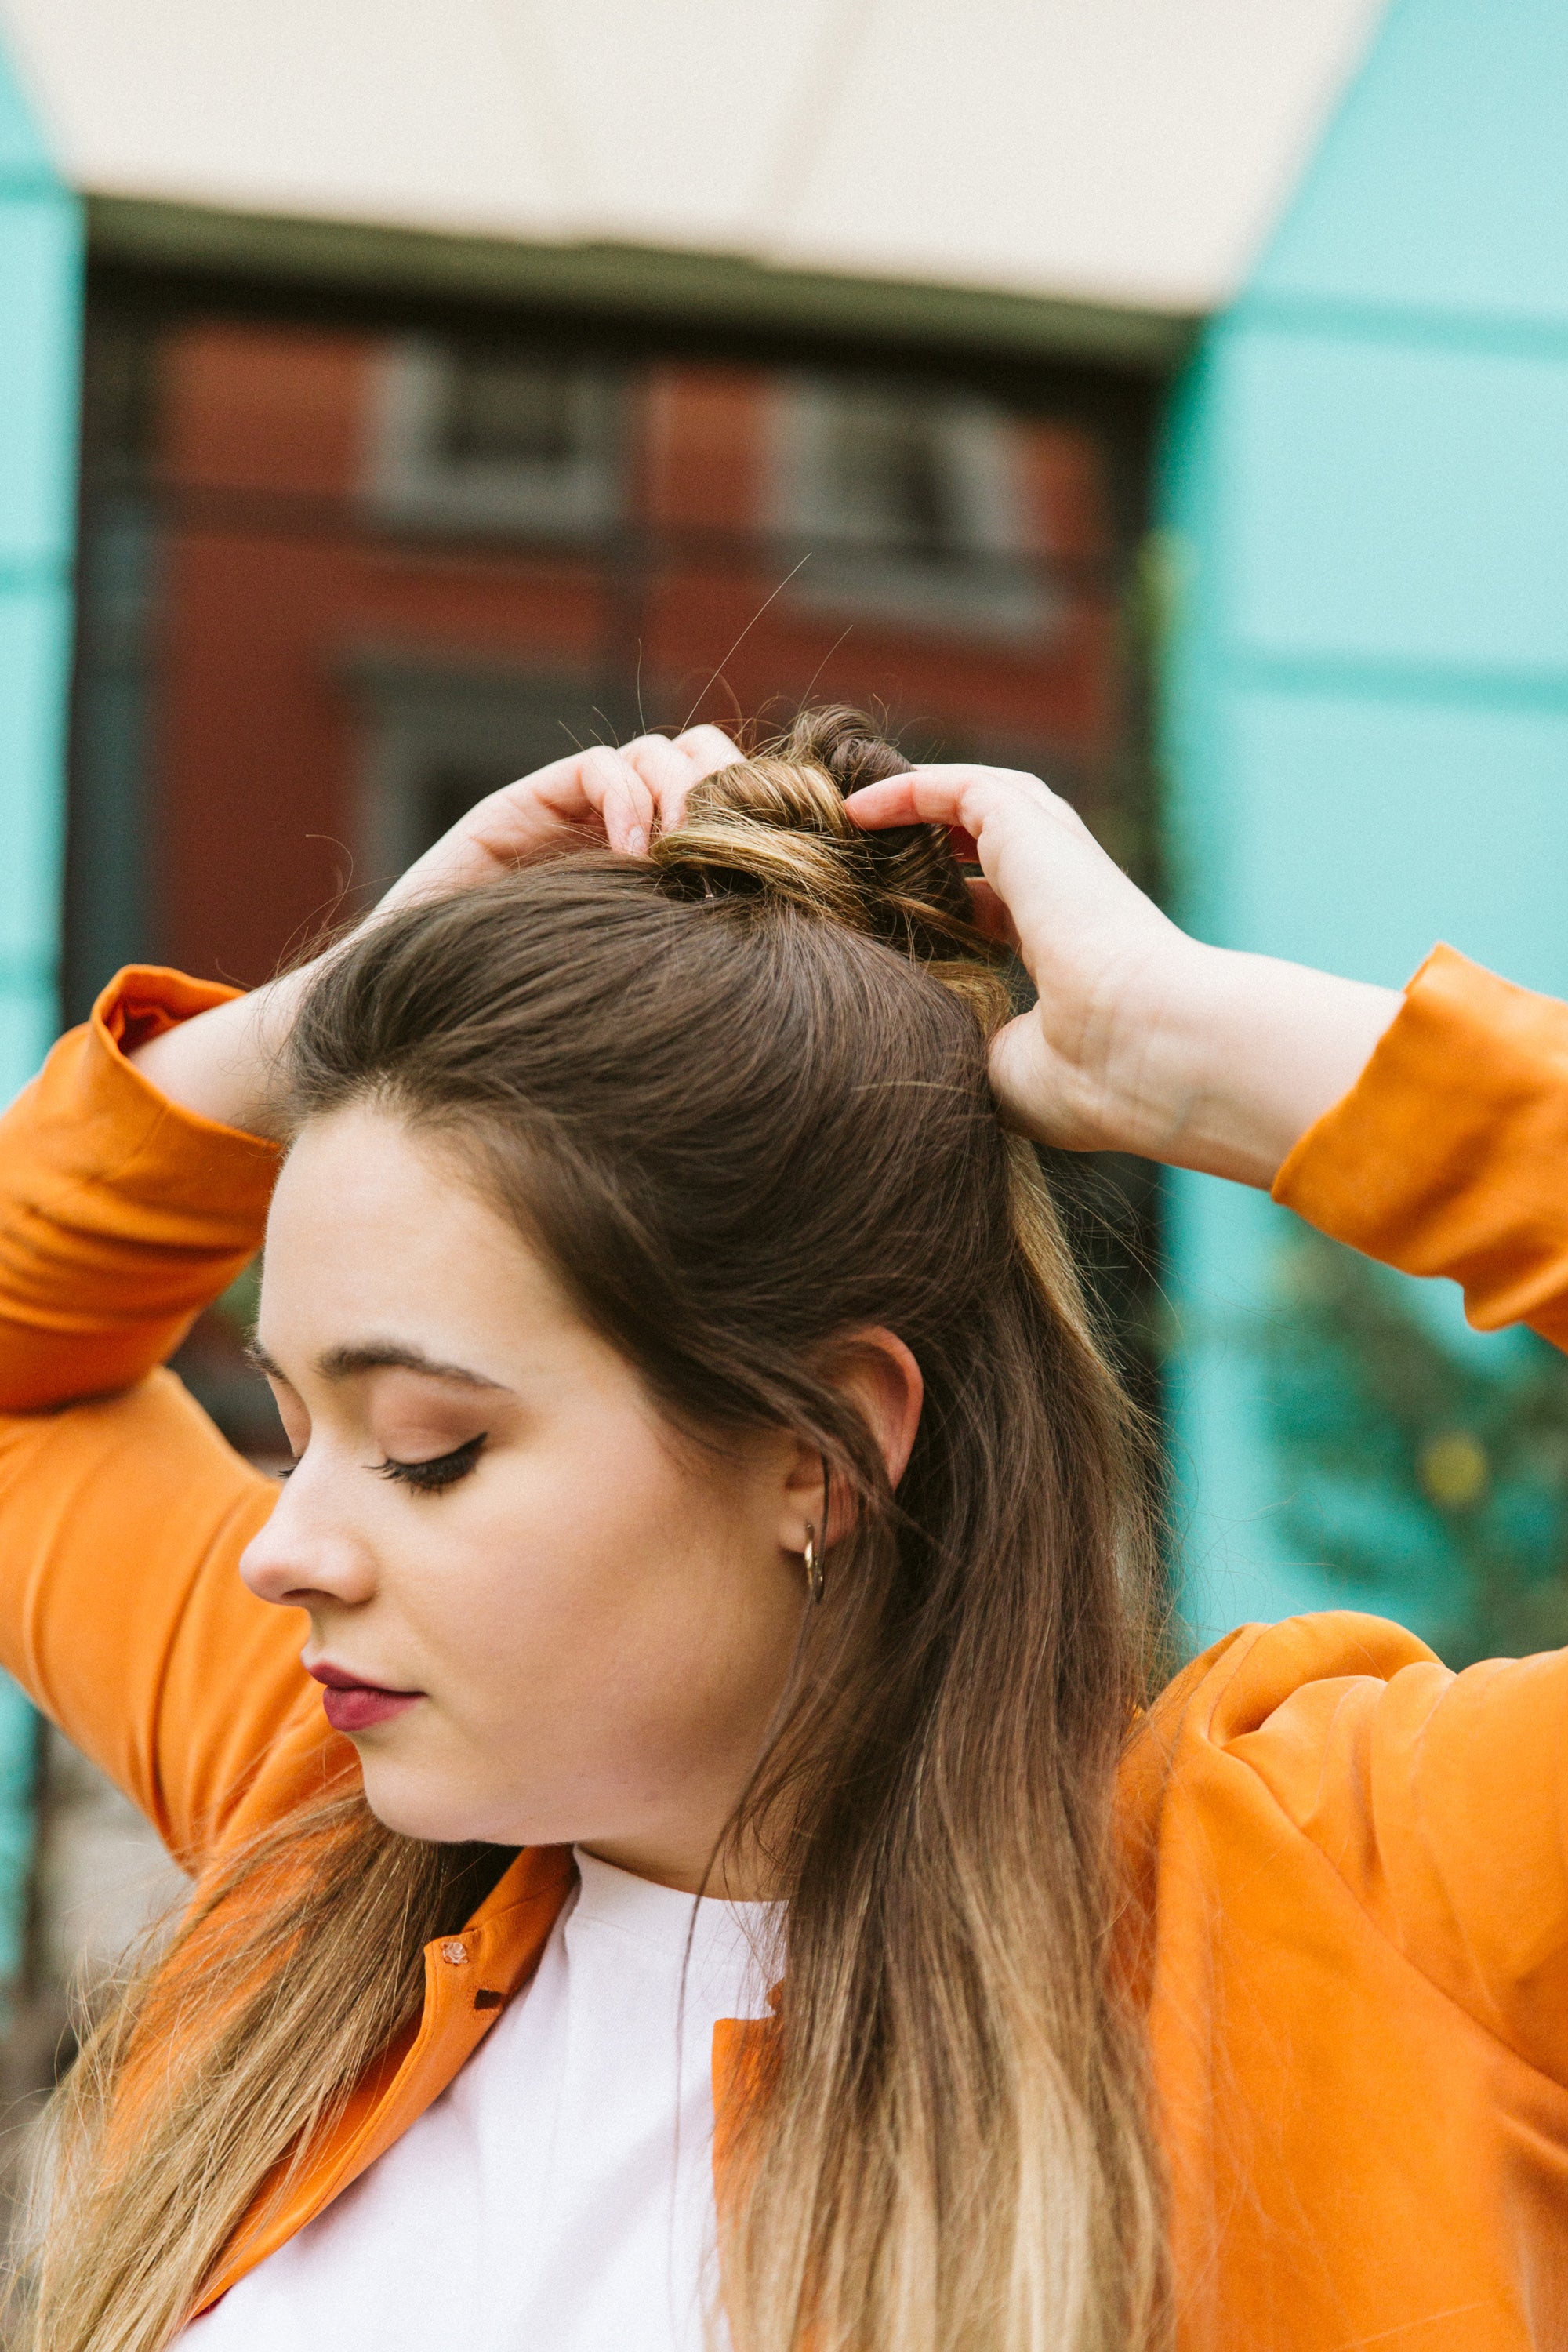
x=1355 y=1861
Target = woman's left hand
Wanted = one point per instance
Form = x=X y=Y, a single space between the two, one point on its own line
x=1142 y=1039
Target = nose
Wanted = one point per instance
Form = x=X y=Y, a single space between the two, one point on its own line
x=305 y=1552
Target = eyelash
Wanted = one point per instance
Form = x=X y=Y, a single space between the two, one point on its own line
x=443 y=1470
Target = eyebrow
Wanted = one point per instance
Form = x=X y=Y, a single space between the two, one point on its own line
x=377 y=1356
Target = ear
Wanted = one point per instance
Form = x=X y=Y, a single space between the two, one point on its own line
x=879 y=1376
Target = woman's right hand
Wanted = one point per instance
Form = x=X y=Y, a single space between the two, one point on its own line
x=220 y=1063
x=1141 y=1039
x=613 y=798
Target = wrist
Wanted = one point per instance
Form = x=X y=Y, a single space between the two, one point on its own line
x=1244 y=1054
x=1146 y=1045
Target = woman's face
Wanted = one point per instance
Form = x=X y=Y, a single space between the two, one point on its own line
x=587 y=1625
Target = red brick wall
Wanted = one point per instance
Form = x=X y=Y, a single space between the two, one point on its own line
x=275 y=574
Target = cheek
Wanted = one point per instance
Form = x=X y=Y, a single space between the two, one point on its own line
x=548 y=1538
x=605 y=1583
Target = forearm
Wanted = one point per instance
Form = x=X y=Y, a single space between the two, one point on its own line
x=1226 y=1072
x=224 y=1064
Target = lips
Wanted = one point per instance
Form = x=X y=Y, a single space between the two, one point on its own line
x=351 y=1705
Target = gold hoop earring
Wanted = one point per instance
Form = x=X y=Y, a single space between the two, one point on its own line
x=813 y=1578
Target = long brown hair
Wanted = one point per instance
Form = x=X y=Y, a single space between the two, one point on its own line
x=736 y=1091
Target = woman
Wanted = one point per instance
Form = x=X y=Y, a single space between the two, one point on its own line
x=702 y=1849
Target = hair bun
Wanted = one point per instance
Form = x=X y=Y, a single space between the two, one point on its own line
x=773 y=828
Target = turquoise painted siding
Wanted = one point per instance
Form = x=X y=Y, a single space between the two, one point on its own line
x=40 y=311
x=1366 y=707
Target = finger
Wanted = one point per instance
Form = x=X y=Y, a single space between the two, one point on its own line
x=919 y=796
x=620 y=797
x=958 y=794
x=896 y=801
x=703 y=752
x=706 y=749
x=667 y=772
x=568 y=793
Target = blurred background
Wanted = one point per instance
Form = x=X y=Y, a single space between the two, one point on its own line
x=1170 y=396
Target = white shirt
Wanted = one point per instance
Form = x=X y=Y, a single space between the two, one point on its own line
x=559 y=2193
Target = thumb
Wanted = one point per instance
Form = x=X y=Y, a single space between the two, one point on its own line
x=1038 y=1093
x=1017 y=1078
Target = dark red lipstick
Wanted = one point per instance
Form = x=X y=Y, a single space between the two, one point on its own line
x=354 y=1705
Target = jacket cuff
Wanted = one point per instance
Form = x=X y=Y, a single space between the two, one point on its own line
x=132 y=1131
x=143 y=1000
x=109 y=1174
x=120 y=1215
x=1445 y=1157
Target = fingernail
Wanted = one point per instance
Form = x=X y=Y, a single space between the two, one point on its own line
x=636 y=842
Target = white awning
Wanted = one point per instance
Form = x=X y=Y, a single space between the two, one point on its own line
x=1118 y=152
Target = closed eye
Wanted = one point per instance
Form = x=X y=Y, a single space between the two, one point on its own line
x=440 y=1471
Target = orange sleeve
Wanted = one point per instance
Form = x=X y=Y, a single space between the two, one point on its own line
x=121 y=1216
x=123 y=1512
x=1448 y=1155
x=1443 y=1799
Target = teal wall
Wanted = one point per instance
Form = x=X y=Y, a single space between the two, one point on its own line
x=1365 y=498
x=40 y=314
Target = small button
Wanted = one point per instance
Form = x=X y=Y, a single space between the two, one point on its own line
x=455 y=1951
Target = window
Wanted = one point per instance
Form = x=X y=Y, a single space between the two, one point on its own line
x=439 y=735
x=912 y=504
x=467 y=438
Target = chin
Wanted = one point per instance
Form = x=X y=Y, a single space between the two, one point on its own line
x=417 y=1805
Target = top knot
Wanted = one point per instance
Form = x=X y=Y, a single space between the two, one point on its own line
x=774 y=827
